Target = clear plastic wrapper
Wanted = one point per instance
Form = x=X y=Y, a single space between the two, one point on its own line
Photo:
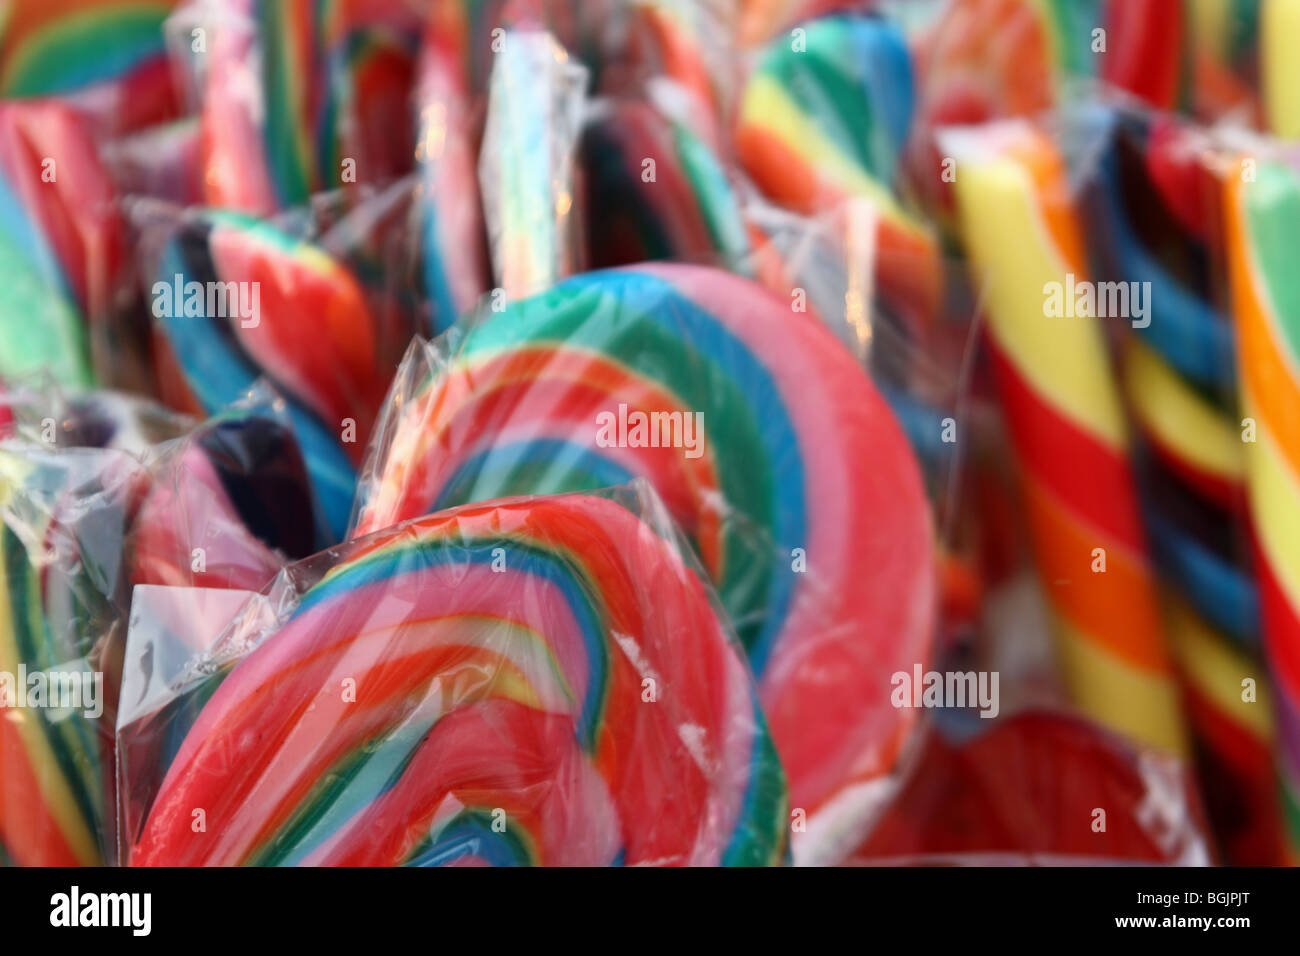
x=526 y=166
x=1038 y=788
x=283 y=118
x=316 y=302
x=767 y=442
x=90 y=507
x=533 y=680
x=64 y=516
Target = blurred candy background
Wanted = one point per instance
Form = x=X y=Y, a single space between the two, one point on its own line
x=650 y=431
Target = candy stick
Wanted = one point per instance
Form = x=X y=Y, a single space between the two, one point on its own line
x=1067 y=427
x=1279 y=25
x=1262 y=219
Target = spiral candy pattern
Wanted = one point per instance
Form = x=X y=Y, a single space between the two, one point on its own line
x=791 y=431
x=516 y=694
x=313 y=337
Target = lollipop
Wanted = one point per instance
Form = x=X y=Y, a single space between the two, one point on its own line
x=453 y=245
x=106 y=57
x=226 y=507
x=62 y=522
x=547 y=665
x=237 y=299
x=786 y=459
x=61 y=244
x=684 y=209
x=293 y=94
x=1063 y=410
x=823 y=118
x=1262 y=217
x=1027 y=790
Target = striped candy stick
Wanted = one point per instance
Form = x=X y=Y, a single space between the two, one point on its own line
x=1280 y=70
x=1263 y=226
x=1067 y=426
x=1152 y=206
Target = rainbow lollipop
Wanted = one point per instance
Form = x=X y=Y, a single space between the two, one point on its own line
x=107 y=57
x=61 y=244
x=63 y=518
x=227 y=506
x=237 y=299
x=823 y=118
x=540 y=681
x=762 y=435
x=684 y=209
x=299 y=98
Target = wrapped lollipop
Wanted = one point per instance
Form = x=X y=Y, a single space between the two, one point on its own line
x=296 y=100
x=105 y=57
x=63 y=519
x=227 y=506
x=1261 y=219
x=119 y=493
x=61 y=242
x=520 y=675
x=762 y=435
x=685 y=209
x=823 y=118
x=236 y=299
x=1063 y=409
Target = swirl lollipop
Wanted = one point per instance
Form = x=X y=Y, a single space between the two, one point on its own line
x=536 y=681
x=823 y=119
x=62 y=249
x=106 y=57
x=762 y=435
x=237 y=299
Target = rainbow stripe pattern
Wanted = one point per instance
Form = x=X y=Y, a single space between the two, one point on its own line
x=525 y=673
x=823 y=119
x=1262 y=218
x=108 y=54
x=53 y=608
x=61 y=248
x=314 y=338
x=330 y=81
x=787 y=421
x=1152 y=211
x=1064 y=414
